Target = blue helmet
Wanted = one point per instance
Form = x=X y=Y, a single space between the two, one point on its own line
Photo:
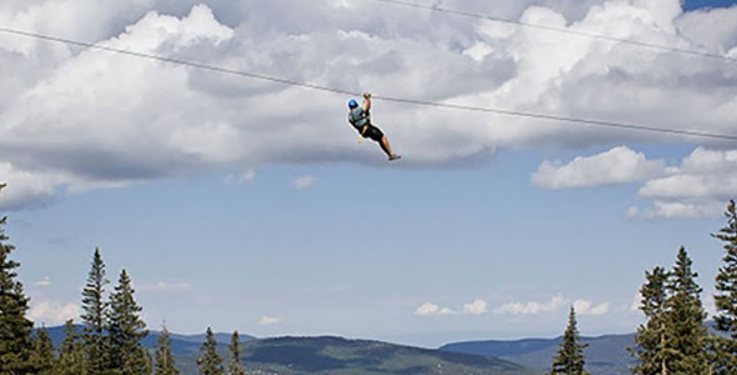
x=352 y=104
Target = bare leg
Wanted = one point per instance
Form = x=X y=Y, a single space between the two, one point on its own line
x=385 y=146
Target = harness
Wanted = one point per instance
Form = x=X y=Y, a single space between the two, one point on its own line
x=366 y=116
x=363 y=131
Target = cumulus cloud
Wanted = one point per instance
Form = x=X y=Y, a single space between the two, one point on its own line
x=52 y=312
x=73 y=120
x=431 y=309
x=476 y=308
x=583 y=307
x=699 y=187
x=27 y=188
x=303 y=182
x=446 y=311
x=587 y=308
x=35 y=188
x=531 y=308
x=682 y=210
x=268 y=320
x=427 y=309
x=616 y=166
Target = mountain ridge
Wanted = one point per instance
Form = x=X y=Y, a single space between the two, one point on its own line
x=328 y=355
x=331 y=355
x=605 y=355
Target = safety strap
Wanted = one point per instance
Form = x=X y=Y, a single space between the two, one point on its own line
x=363 y=131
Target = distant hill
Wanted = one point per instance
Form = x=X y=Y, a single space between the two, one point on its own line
x=606 y=355
x=332 y=356
x=338 y=356
x=180 y=344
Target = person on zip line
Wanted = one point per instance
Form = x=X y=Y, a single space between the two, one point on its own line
x=360 y=118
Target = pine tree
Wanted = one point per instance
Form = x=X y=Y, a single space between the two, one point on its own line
x=651 y=353
x=71 y=353
x=235 y=356
x=570 y=359
x=725 y=362
x=164 y=362
x=685 y=329
x=43 y=360
x=126 y=330
x=210 y=362
x=15 y=329
x=95 y=311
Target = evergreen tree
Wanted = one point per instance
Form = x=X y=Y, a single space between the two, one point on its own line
x=43 y=360
x=210 y=362
x=652 y=352
x=235 y=356
x=570 y=359
x=726 y=298
x=15 y=329
x=126 y=330
x=95 y=311
x=164 y=361
x=71 y=353
x=685 y=329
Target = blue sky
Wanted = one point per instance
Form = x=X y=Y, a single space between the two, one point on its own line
x=362 y=244
x=696 y=4
x=276 y=229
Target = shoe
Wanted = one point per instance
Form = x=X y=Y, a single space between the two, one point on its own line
x=395 y=157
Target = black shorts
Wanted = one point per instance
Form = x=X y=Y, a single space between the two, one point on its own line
x=373 y=133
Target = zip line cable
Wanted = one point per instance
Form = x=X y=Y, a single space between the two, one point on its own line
x=284 y=81
x=174 y=61
x=633 y=42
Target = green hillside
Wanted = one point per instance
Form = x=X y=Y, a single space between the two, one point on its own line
x=338 y=356
x=606 y=355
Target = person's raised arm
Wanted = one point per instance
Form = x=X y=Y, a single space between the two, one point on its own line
x=367 y=102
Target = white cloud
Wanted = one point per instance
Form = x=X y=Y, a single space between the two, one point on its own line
x=699 y=187
x=27 y=188
x=583 y=307
x=691 y=186
x=45 y=282
x=242 y=178
x=34 y=188
x=428 y=309
x=616 y=166
x=683 y=210
x=446 y=311
x=268 y=320
x=74 y=120
x=52 y=313
x=531 y=308
x=477 y=307
x=587 y=308
x=721 y=34
x=479 y=51
x=304 y=182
